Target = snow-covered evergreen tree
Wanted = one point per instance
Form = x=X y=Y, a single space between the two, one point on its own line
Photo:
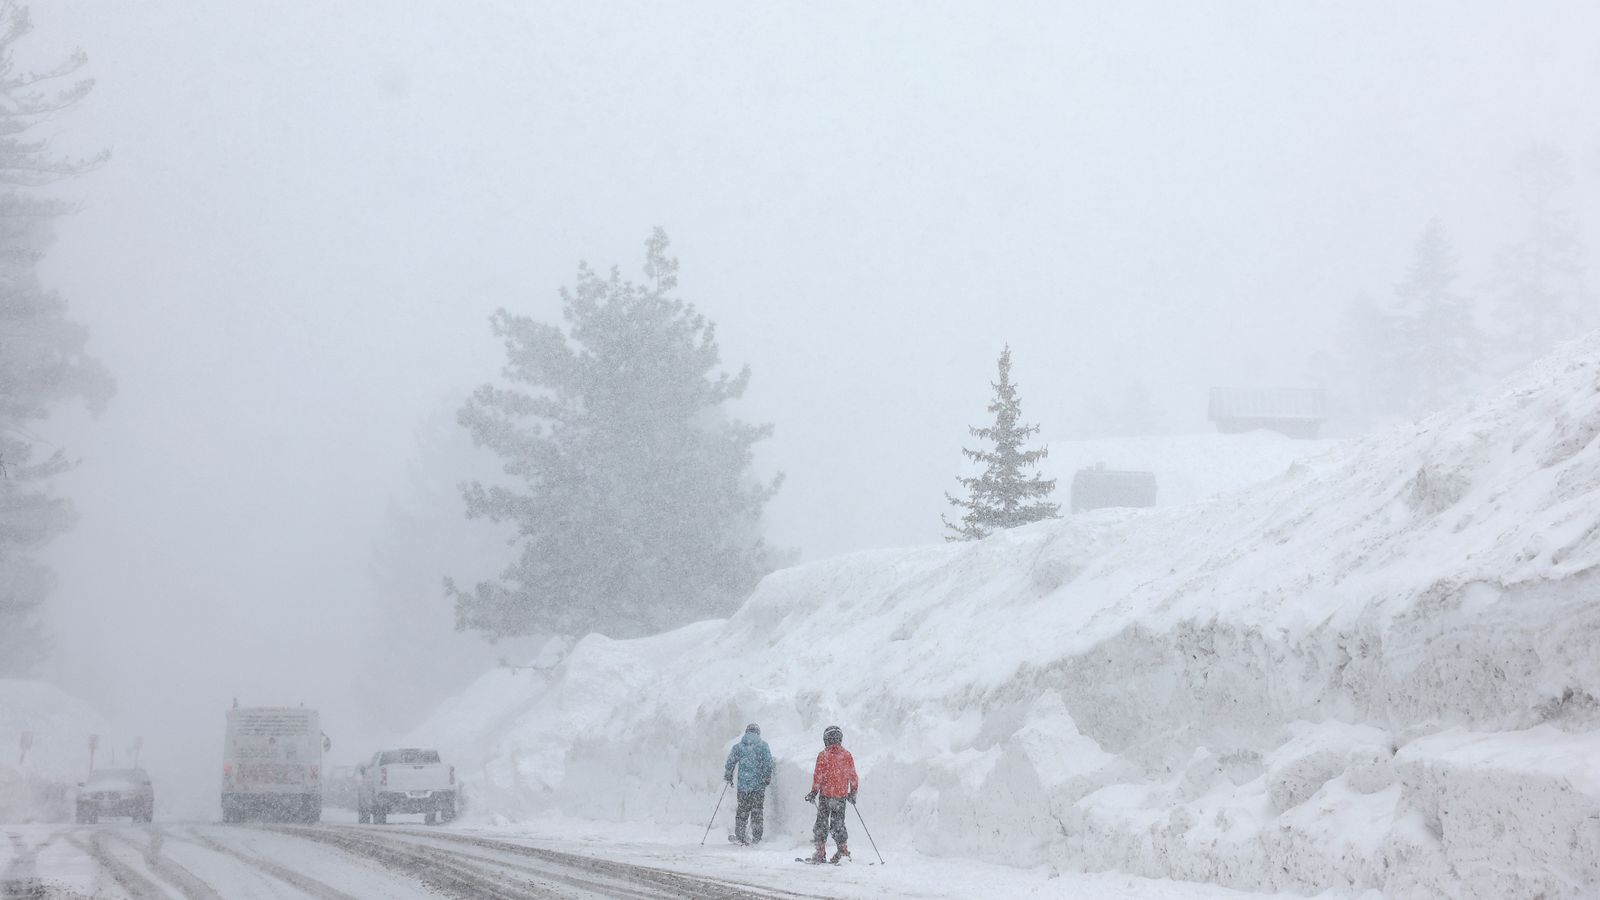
x=1003 y=496
x=1540 y=294
x=639 y=513
x=413 y=640
x=1362 y=372
x=42 y=360
x=1411 y=355
x=1442 y=344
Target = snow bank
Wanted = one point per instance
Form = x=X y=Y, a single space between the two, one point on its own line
x=34 y=787
x=1375 y=671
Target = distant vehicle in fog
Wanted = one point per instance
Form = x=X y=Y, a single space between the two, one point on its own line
x=340 y=787
x=408 y=780
x=272 y=764
x=116 y=792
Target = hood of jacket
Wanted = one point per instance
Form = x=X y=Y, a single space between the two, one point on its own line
x=754 y=761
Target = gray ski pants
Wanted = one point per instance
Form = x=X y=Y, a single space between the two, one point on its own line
x=830 y=820
x=750 y=803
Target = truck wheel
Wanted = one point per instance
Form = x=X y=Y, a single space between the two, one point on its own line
x=431 y=817
x=380 y=814
x=447 y=810
x=362 y=816
x=83 y=816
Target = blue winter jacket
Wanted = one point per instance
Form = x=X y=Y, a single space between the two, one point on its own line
x=754 y=761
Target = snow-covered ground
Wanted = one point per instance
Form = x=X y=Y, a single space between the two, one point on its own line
x=905 y=873
x=1377 y=670
x=145 y=862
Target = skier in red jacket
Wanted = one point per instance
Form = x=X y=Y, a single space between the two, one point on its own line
x=832 y=784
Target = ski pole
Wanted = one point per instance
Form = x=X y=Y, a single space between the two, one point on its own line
x=719 y=808
x=869 y=834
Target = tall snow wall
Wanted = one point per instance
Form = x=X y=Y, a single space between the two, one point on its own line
x=1377 y=670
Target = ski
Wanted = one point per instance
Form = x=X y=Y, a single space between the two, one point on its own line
x=812 y=862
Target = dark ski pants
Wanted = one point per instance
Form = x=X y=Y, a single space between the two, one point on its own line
x=750 y=810
x=830 y=820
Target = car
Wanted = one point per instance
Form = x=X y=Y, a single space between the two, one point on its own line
x=116 y=792
x=340 y=787
x=407 y=780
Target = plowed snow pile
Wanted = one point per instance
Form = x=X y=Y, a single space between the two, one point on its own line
x=44 y=749
x=1378 y=670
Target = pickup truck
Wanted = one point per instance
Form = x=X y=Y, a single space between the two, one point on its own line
x=407 y=780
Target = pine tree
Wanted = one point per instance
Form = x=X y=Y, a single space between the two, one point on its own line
x=1003 y=497
x=1362 y=370
x=1436 y=326
x=638 y=513
x=1538 y=284
x=423 y=536
x=43 y=364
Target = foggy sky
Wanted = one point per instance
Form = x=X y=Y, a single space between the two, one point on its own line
x=311 y=210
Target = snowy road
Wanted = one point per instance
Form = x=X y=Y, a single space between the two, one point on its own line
x=343 y=861
x=327 y=862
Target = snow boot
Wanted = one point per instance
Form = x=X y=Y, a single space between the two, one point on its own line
x=842 y=853
x=821 y=856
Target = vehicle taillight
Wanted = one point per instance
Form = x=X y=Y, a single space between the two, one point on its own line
x=452 y=775
x=383 y=776
x=315 y=772
x=227 y=771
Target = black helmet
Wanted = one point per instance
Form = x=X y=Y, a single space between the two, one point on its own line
x=832 y=735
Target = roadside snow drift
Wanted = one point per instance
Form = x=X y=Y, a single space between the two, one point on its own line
x=1376 y=670
x=36 y=780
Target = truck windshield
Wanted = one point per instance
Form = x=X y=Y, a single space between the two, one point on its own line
x=408 y=757
x=126 y=777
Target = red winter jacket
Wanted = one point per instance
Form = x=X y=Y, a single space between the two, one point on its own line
x=835 y=775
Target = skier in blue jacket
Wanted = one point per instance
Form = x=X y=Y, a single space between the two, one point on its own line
x=753 y=759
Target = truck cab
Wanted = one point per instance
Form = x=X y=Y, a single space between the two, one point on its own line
x=406 y=780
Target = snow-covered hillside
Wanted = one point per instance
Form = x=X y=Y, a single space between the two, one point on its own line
x=1377 y=670
x=34 y=784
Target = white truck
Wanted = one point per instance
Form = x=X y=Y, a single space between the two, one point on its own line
x=408 y=780
x=272 y=764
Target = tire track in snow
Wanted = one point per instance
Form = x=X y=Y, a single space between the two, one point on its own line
x=190 y=885
x=652 y=880
x=22 y=876
x=126 y=876
x=608 y=878
x=474 y=875
x=319 y=889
